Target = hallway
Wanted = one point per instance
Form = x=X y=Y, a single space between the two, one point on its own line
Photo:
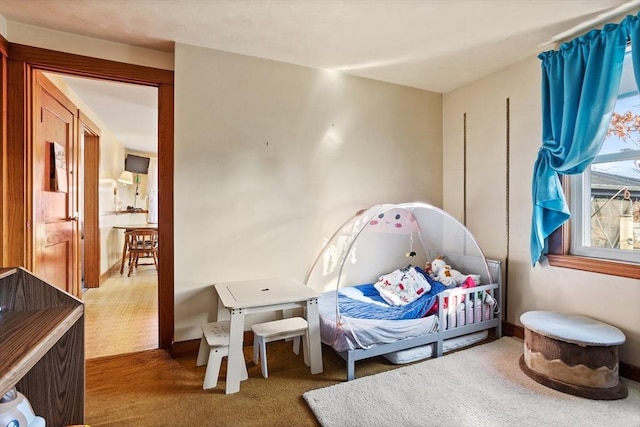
x=121 y=316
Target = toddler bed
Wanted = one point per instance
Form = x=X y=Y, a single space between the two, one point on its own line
x=358 y=322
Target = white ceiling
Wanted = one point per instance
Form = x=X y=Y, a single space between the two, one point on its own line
x=130 y=112
x=437 y=45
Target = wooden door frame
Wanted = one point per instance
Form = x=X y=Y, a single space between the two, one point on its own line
x=4 y=161
x=4 y=182
x=16 y=228
x=89 y=146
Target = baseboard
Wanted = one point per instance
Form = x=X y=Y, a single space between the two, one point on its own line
x=185 y=348
x=104 y=276
x=512 y=330
x=626 y=370
x=115 y=268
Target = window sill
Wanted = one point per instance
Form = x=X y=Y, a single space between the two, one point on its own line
x=595 y=265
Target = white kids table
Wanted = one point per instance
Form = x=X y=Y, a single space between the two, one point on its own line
x=237 y=299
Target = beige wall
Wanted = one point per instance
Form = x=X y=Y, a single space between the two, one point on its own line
x=608 y=298
x=3 y=27
x=80 y=45
x=271 y=158
x=248 y=210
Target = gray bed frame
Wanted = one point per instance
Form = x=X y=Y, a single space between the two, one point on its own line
x=461 y=263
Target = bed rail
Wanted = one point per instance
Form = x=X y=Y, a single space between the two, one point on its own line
x=463 y=311
x=481 y=307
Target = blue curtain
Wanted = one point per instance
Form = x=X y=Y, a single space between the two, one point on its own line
x=580 y=84
x=634 y=35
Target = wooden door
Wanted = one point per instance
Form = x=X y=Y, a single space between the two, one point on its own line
x=89 y=169
x=55 y=186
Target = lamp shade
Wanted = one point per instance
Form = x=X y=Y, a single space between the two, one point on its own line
x=126 y=178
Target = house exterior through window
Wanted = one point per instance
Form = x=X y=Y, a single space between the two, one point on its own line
x=605 y=199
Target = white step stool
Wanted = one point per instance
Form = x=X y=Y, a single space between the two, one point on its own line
x=214 y=345
x=292 y=327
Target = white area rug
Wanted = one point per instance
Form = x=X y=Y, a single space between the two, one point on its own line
x=481 y=386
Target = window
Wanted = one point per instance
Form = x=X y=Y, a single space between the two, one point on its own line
x=605 y=199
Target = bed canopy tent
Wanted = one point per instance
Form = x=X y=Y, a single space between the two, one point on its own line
x=389 y=236
x=357 y=323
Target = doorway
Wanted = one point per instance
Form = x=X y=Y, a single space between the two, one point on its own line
x=121 y=312
x=77 y=207
x=22 y=61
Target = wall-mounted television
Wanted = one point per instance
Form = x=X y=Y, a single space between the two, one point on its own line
x=136 y=164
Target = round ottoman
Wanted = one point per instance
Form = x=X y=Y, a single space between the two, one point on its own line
x=573 y=354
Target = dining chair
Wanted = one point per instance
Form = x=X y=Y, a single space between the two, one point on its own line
x=126 y=255
x=140 y=243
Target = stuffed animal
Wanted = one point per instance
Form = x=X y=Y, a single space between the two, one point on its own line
x=439 y=270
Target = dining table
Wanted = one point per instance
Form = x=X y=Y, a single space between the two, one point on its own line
x=131 y=227
x=238 y=299
x=141 y=226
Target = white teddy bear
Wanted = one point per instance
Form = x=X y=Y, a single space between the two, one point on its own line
x=443 y=273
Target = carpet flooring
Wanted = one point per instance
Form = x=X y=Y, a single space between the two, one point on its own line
x=480 y=386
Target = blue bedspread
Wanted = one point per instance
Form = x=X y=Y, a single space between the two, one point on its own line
x=364 y=302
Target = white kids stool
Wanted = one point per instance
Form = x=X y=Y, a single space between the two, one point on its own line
x=214 y=345
x=292 y=327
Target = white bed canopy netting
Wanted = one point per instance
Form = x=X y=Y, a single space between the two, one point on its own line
x=378 y=241
x=385 y=237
